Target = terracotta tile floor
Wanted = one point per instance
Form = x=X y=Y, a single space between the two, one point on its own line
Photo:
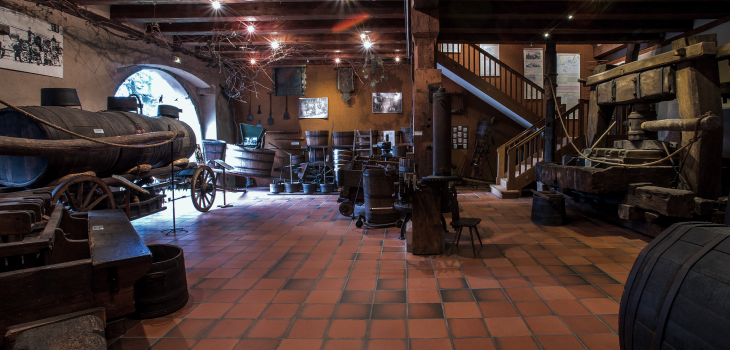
x=290 y=272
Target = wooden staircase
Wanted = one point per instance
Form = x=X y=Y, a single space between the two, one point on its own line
x=494 y=78
x=517 y=158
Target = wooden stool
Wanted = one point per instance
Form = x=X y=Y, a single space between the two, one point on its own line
x=458 y=223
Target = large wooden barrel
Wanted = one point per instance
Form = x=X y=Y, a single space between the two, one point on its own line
x=317 y=138
x=379 y=200
x=21 y=171
x=676 y=296
x=343 y=138
x=164 y=289
x=250 y=161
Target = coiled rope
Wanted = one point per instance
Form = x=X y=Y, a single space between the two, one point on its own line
x=82 y=136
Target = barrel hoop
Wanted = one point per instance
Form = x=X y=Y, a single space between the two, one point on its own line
x=631 y=317
x=665 y=244
x=677 y=281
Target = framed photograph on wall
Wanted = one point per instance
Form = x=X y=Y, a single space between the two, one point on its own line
x=33 y=45
x=387 y=102
x=313 y=108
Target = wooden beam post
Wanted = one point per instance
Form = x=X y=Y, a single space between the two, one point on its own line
x=428 y=235
x=550 y=114
x=698 y=92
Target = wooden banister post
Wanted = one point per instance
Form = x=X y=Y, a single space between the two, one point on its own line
x=511 y=162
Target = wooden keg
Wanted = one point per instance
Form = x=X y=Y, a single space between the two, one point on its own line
x=675 y=295
x=379 y=200
x=548 y=208
x=405 y=165
x=399 y=151
x=340 y=158
x=164 y=289
x=22 y=171
x=317 y=138
x=251 y=161
x=406 y=134
x=343 y=138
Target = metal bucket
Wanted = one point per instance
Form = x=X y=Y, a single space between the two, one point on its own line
x=276 y=188
x=291 y=188
x=326 y=188
x=309 y=188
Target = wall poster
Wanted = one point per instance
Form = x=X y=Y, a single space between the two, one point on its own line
x=460 y=137
x=489 y=68
x=387 y=102
x=33 y=46
x=289 y=81
x=533 y=59
x=568 y=75
x=313 y=108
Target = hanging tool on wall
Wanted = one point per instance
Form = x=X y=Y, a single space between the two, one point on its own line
x=286 y=108
x=270 y=121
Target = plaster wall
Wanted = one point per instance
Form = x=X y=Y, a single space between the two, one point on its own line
x=95 y=63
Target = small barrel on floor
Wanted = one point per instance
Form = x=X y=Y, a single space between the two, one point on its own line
x=164 y=289
x=309 y=188
x=548 y=208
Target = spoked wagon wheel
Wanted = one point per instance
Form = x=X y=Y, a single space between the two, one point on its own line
x=318 y=173
x=203 y=188
x=82 y=193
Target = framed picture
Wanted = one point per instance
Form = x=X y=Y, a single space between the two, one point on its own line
x=33 y=45
x=313 y=108
x=387 y=102
x=289 y=80
x=460 y=137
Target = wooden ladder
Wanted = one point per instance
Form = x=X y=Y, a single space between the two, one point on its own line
x=363 y=143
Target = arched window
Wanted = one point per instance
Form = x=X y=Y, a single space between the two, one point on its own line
x=155 y=87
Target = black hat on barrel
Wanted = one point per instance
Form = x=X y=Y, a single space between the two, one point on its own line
x=169 y=111
x=64 y=97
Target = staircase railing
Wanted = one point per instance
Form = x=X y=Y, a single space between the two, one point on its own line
x=497 y=73
x=523 y=152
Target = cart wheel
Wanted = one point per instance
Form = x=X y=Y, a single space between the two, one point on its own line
x=82 y=193
x=358 y=224
x=347 y=208
x=203 y=189
x=399 y=223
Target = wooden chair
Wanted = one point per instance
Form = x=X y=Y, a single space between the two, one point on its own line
x=458 y=223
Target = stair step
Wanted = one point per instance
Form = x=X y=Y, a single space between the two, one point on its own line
x=503 y=193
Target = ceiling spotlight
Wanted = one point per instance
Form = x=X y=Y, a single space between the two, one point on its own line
x=367 y=44
x=274 y=44
x=397 y=59
x=216 y=4
x=253 y=61
x=570 y=16
x=362 y=36
x=337 y=60
x=250 y=28
x=547 y=35
x=337 y=50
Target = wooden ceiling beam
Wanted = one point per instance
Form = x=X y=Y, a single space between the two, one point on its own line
x=314 y=39
x=564 y=27
x=330 y=58
x=587 y=10
x=558 y=38
x=255 y=12
x=379 y=26
x=179 y=2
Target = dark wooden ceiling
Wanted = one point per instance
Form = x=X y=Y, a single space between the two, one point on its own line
x=332 y=28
